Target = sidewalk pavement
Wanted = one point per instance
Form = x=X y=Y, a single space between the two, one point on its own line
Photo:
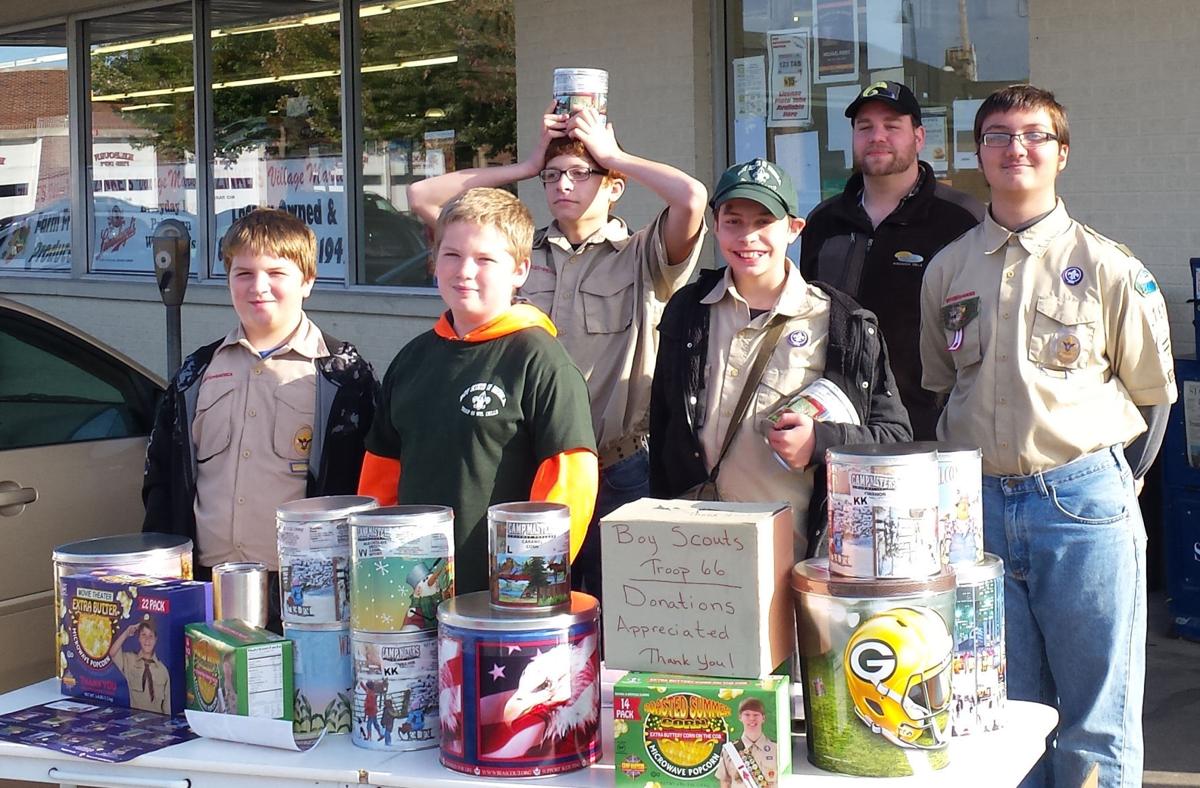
x=1171 y=715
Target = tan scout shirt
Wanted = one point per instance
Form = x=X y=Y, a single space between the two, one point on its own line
x=1047 y=341
x=252 y=433
x=765 y=754
x=606 y=299
x=750 y=471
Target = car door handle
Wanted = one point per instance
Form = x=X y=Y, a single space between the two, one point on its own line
x=14 y=498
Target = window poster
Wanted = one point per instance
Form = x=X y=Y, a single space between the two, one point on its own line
x=885 y=34
x=749 y=87
x=964 y=134
x=936 y=152
x=1191 y=420
x=791 y=81
x=835 y=27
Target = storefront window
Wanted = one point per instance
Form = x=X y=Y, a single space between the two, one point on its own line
x=794 y=66
x=438 y=94
x=278 y=121
x=35 y=212
x=141 y=158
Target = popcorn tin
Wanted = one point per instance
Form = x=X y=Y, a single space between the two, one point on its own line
x=875 y=657
x=314 y=557
x=519 y=692
x=883 y=509
x=395 y=690
x=401 y=567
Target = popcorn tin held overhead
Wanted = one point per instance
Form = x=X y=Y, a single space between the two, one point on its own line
x=519 y=692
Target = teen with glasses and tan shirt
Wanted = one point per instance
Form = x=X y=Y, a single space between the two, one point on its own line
x=603 y=285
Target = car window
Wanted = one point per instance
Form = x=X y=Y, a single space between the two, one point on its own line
x=56 y=388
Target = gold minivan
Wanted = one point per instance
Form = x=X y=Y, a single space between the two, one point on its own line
x=74 y=419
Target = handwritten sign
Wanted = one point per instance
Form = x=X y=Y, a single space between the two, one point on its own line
x=699 y=588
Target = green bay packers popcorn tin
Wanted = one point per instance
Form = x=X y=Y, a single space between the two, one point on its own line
x=875 y=657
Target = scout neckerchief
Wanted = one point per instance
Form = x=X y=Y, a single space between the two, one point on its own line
x=774 y=330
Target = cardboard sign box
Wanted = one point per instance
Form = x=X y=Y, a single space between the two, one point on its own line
x=121 y=637
x=693 y=732
x=699 y=588
x=234 y=668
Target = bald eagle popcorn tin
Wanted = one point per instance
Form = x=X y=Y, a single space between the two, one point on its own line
x=519 y=694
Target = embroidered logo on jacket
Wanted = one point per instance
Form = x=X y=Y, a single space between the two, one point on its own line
x=482 y=400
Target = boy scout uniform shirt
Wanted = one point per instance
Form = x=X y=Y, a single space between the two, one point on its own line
x=762 y=750
x=606 y=298
x=750 y=471
x=252 y=435
x=1047 y=340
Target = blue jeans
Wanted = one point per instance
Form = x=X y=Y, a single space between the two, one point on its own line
x=1074 y=550
x=627 y=480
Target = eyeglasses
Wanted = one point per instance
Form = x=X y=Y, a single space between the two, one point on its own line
x=576 y=174
x=1029 y=139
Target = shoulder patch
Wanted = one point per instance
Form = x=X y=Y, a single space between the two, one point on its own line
x=1120 y=246
x=1144 y=283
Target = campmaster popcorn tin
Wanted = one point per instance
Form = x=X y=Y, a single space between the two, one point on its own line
x=883 y=508
x=875 y=659
x=395 y=690
x=313 y=538
x=977 y=681
x=519 y=692
x=323 y=677
x=529 y=544
x=401 y=567
x=960 y=501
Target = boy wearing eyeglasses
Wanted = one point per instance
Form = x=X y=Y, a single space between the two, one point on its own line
x=1052 y=345
x=603 y=285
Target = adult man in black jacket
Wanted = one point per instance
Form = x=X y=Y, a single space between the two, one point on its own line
x=874 y=239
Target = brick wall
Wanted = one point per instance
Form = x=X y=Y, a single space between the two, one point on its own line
x=1126 y=74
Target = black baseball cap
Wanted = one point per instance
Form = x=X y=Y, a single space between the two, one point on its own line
x=895 y=94
x=762 y=181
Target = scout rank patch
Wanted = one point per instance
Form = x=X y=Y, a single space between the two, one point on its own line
x=956 y=316
x=1073 y=275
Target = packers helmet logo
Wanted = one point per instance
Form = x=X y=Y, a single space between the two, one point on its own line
x=302 y=441
x=873 y=661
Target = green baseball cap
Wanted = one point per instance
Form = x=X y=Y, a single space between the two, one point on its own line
x=762 y=181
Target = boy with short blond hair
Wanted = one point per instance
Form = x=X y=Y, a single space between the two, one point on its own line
x=602 y=283
x=486 y=407
x=275 y=411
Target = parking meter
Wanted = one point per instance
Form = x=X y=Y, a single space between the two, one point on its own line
x=172 y=247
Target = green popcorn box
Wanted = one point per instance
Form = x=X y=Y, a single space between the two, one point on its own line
x=694 y=732
x=235 y=668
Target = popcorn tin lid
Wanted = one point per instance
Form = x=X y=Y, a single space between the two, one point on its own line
x=949 y=448
x=403 y=515
x=122 y=548
x=990 y=568
x=882 y=453
x=326 y=507
x=813 y=577
x=475 y=611
x=529 y=512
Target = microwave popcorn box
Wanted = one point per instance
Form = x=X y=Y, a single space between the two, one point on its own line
x=691 y=732
x=121 y=637
x=235 y=668
x=700 y=588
